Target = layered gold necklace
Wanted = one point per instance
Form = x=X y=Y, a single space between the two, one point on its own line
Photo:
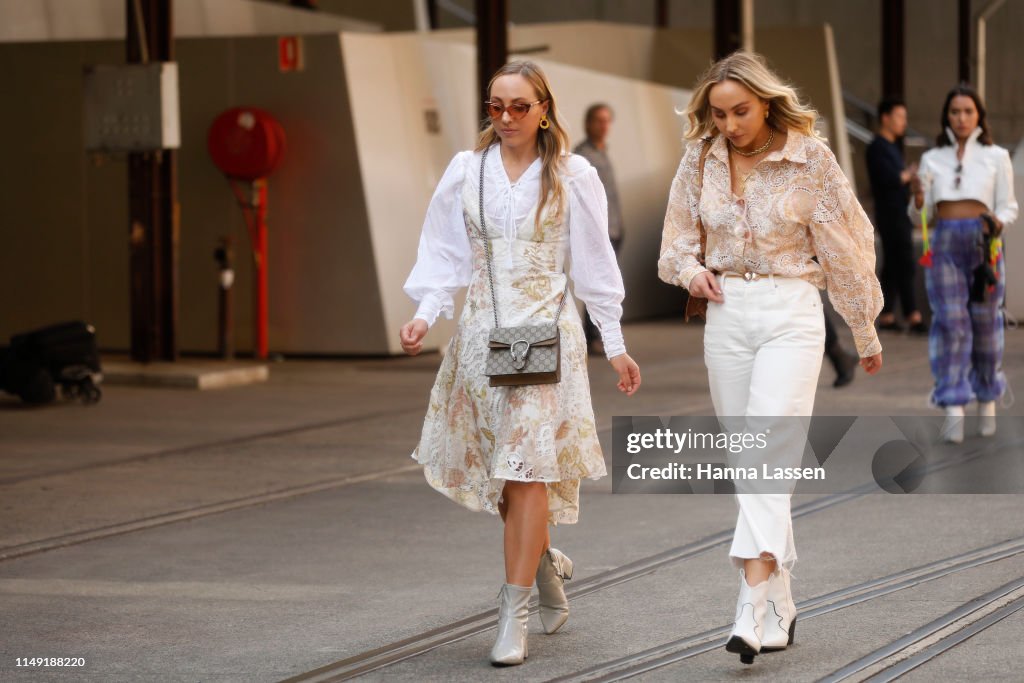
x=760 y=150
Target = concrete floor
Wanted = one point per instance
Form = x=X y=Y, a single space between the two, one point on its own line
x=256 y=533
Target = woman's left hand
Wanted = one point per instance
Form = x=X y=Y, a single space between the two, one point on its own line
x=872 y=364
x=629 y=373
x=996 y=224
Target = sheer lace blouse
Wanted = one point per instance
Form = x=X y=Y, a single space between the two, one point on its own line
x=797 y=205
x=444 y=261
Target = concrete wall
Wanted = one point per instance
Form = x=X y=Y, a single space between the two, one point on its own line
x=931 y=44
x=676 y=57
x=25 y=21
x=63 y=220
x=348 y=203
x=1014 y=256
x=341 y=245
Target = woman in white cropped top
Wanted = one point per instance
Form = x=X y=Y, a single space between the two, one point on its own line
x=517 y=451
x=782 y=222
x=964 y=190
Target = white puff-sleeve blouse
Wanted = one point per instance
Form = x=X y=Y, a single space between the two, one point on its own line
x=444 y=260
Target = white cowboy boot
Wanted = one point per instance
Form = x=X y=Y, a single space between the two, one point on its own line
x=554 y=569
x=986 y=418
x=510 y=647
x=745 y=638
x=780 y=614
x=953 y=426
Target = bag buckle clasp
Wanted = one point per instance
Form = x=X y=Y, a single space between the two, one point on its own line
x=519 y=360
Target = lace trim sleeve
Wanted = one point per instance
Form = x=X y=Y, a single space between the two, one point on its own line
x=845 y=246
x=680 y=237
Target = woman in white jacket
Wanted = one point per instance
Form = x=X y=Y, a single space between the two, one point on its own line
x=964 y=189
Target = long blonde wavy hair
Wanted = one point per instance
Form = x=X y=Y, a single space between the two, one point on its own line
x=552 y=143
x=785 y=110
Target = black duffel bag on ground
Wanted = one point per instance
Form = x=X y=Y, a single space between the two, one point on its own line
x=62 y=355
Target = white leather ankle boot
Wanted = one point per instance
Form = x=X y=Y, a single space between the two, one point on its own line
x=745 y=638
x=554 y=569
x=986 y=418
x=780 y=614
x=510 y=647
x=953 y=426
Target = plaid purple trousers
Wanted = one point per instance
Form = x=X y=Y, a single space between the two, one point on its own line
x=965 y=344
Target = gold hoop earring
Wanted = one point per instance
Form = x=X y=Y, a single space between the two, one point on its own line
x=544 y=123
x=766 y=111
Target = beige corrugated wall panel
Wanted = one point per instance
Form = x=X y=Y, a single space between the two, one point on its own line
x=392 y=80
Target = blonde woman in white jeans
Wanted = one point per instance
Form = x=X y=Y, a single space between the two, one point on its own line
x=781 y=222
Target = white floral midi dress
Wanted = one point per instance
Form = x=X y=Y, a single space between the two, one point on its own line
x=475 y=437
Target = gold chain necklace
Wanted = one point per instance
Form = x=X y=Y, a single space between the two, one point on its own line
x=759 y=150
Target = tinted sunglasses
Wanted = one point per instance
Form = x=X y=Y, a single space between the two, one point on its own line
x=515 y=111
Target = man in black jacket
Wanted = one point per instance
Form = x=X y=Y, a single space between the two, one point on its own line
x=889 y=185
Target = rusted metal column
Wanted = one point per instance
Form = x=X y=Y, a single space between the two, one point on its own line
x=964 y=41
x=491 y=41
x=152 y=204
x=892 y=48
x=728 y=29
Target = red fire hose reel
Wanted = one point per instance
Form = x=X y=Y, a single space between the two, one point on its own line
x=247 y=145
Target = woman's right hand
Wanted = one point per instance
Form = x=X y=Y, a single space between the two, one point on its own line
x=412 y=334
x=705 y=285
x=628 y=371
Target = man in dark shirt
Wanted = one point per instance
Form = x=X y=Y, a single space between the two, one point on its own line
x=889 y=185
x=598 y=122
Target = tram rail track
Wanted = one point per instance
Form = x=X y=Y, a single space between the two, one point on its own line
x=393 y=653
x=193 y=512
x=963 y=615
x=676 y=651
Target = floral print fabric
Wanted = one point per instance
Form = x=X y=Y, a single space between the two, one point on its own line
x=797 y=205
x=475 y=437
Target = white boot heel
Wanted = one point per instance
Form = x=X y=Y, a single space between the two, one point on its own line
x=554 y=569
x=510 y=647
x=745 y=639
x=780 y=613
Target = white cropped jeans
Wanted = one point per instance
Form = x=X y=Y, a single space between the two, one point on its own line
x=763 y=348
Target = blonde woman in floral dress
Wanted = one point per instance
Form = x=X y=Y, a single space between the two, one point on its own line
x=517 y=451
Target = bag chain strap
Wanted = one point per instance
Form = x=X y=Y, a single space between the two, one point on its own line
x=490 y=259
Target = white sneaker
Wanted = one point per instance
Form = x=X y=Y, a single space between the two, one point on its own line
x=953 y=426
x=986 y=418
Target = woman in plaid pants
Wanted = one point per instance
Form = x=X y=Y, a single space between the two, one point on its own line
x=966 y=182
